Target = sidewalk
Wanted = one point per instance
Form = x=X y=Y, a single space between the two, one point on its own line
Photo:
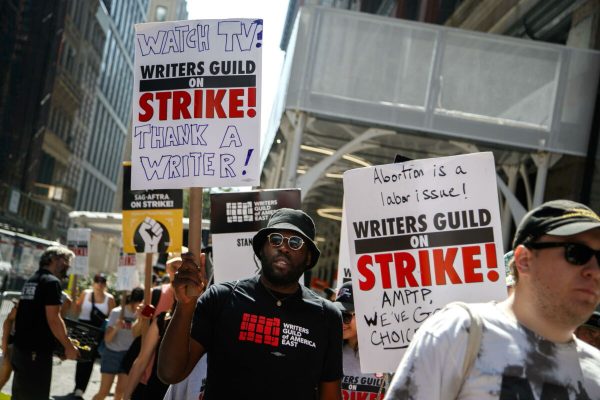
x=63 y=381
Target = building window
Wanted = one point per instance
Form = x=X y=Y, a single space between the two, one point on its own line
x=161 y=14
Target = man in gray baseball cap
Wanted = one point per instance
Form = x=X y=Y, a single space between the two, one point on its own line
x=268 y=327
x=528 y=348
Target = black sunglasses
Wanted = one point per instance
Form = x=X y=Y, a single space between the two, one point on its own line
x=277 y=239
x=575 y=253
x=347 y=317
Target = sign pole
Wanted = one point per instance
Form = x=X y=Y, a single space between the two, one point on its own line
x=148 y=279
x=195 y=229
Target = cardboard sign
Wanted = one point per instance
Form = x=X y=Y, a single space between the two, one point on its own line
x=152 y=219
x=234 y=220
x=127 y=274
x=421 y=234
x=196 y=104
x=78 y=240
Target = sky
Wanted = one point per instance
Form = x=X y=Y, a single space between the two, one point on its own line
x=273 y=13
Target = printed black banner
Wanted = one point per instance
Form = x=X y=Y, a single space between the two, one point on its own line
x=198 y=82
x=432 y=240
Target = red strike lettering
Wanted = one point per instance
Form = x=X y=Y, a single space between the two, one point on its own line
x=201 y=103
x=435 y=267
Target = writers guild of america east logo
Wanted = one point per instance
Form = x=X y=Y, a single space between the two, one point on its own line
x=249 y=211
x=239 y=212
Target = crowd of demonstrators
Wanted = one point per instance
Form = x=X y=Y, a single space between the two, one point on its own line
x=93 y=307
x=355 y=384
x=265 y=337
x=38 y=325
x=528 y=349
x=117 y=338
x=162 y=301
x=154 y=388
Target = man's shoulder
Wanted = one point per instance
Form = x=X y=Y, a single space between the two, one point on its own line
x=227 y=287
x=45 y=276
x=312 y=298
x=455 y=320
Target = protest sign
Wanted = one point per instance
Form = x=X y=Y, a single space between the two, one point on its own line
x=127 y=274
x=344 y=273
x=421 y=234
x=234 y=220
x=78 y=240
x=196 y=104
x=152 y=219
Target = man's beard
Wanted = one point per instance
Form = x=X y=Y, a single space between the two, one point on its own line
x=269 y=272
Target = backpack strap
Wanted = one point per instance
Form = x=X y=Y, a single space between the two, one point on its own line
x=473 y=341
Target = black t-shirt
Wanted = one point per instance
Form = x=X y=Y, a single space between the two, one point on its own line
x=257 y=350
x=32 y=331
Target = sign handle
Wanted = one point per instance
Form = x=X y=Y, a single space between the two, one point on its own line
x=195 y=231
x=148 y=279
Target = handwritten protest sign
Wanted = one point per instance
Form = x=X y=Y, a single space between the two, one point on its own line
x=152 y=219
x=421 y=234
x=127 y=274
x=234 y=220
x=78 y=240
x=196 y=104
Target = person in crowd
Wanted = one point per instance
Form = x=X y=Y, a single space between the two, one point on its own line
x=38 y=325
x=528 y=348
x=163 y=299
x=589 y=332
x=93 y=307
x=355 y=384
x=509 y=265
x=265 y=326
x=192 y=387
x=8 y=334
x=154 y=388
x=117 y=339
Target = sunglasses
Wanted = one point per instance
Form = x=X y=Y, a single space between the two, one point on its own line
x=277 y=239
x=102 y=281
x=575 y=253
x=347 y=317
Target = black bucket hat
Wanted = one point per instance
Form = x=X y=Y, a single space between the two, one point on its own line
x=557 y=218
x=290 y=220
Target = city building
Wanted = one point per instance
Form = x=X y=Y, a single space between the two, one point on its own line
x=367 y=81
x=51 y=53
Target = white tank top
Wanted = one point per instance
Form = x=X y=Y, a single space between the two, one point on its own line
x=86 y=306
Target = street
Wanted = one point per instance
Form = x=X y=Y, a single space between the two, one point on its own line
x=63 y=381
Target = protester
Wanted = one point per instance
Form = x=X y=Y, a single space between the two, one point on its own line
x=38 y=325
x=154 y=388
x=589 y=332
x=266 y=337
x=163 y=299
x=355 y=384
x=528 y=349
x=8 y=334
x=93 y=307
x=192 y=387
x=117 y=339
x=509 y=265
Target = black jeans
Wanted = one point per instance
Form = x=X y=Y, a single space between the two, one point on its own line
x=32 y=374
x=83 y=372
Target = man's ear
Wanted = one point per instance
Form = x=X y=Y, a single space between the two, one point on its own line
x=522 y=257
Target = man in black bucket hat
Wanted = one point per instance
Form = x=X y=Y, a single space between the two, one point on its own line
x=527 y=349
x=266 y=337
